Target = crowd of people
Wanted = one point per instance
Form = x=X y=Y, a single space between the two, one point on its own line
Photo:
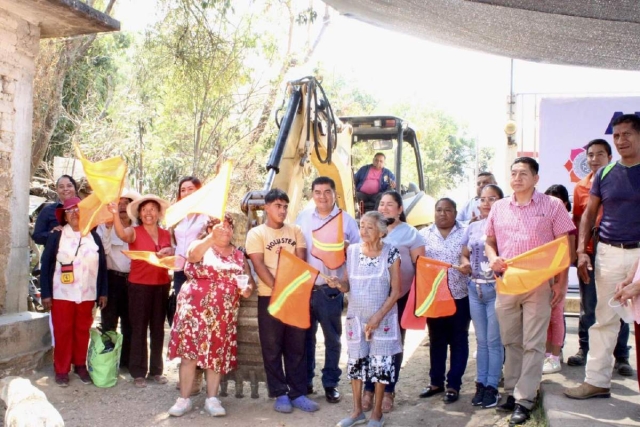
x=519 y=337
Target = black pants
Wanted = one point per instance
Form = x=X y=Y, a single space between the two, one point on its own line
x=147 y=312
x=280 y=341
x=117 y=311
x=450 y=332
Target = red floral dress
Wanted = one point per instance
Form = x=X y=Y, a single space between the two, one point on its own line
x=205 y=324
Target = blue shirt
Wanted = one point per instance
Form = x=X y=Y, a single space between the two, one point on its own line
x=309 y=220
x=45 y=222
x=469 y=209
x=619 y=193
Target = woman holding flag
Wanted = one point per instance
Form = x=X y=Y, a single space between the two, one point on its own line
x=372 y=327
x=444 y=242
x=205 y=326
x=411 y=245
x=148 y=285
x=482 y=301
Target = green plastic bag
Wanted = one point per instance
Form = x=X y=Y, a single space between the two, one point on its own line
x=103 y=358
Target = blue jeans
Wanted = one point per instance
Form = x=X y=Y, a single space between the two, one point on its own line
x=485 y=323
x=449 y=333
x=326 y=310
x=588 y=301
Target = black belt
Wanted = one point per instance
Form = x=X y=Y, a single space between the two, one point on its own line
x=119 y=273
x=622 y=245
x=319 y=286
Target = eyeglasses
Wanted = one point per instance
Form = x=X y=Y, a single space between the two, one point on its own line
x=71 y=210
x=488 y=199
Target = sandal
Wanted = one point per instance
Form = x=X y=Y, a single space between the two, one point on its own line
x=160 y=379
x=139 y=382
x=387 y=402
x=367 y=401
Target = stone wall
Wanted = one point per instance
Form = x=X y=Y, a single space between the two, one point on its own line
x=19 y=43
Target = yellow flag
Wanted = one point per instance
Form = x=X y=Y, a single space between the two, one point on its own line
x=531 y=269
x=168 y=262
x=106 y=179
x=210 y=200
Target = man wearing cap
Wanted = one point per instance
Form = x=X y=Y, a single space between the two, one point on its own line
x=616 y=188
x=326 y=302
x=118 y=265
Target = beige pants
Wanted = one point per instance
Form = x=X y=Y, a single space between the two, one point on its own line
x=524 y=320
x=612 y=266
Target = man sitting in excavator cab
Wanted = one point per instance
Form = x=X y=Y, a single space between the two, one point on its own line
x=373 y=180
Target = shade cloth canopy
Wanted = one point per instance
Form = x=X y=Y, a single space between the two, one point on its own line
x=592 y=33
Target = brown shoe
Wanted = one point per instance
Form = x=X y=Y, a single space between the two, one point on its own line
x=586 y=391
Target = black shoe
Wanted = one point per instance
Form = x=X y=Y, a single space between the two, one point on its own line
x=332 y=394
x=520 y=415
x=579 y=359
x=507 y=406
x=450 y=396
x=310 y=389
x=430 y=391
x=491 y=397
x=477 y=398
x=623 y=367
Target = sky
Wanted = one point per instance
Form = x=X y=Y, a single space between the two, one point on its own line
x=472 y=86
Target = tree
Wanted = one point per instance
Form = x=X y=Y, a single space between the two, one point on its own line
x=485 y=159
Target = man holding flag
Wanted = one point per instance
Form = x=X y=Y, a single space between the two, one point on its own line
x=280 y=342
x=526 y=220
x=326 y=230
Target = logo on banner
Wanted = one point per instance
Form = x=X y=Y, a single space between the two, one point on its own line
x=577 y=164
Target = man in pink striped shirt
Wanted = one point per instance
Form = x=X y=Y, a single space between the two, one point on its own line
x=516 y=224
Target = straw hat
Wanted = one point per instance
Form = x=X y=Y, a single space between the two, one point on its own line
x=132 y=209
x=132 y=195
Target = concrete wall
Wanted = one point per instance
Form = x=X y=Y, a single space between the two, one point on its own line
x=19 y=43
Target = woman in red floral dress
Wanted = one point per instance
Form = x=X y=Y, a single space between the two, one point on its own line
x=205 y=324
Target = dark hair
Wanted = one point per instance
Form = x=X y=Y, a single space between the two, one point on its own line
x=212 y=222
x=533 y=165
x=379 y=154
x=145 y=203
x=275 y=194
x=602 y=142
x=195 y=181
x=560 y=191
x=70 y=178
x=627 y=118
x=448 y=200
x=485 y=174
x=496 y=189
x=396 y=198
x=323 y=180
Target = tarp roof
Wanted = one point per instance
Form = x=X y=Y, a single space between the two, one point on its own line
x=592 y=33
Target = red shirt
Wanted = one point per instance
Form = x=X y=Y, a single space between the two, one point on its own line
x=143 y=273
x=518 y=229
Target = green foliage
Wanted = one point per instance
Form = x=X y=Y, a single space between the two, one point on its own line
x=485 y=159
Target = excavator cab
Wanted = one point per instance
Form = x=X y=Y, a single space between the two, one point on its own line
x=397 y=140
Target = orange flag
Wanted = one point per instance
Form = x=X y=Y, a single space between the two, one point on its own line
x=292 y=291
x=92 y=213
x=168 y=262
x=531 y=269
x=328 y=243
x=409 y=319
x=106 y=178
x=433 y=297
x=210 y=200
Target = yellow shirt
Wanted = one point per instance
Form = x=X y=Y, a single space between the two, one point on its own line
x=269 y=242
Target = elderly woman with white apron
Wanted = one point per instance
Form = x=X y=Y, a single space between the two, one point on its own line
x=372 y=329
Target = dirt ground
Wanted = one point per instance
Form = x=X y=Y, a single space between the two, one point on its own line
x=123 y=405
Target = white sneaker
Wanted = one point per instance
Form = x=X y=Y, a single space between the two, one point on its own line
x=551 y=366
x=181 y=407
x=213 y=406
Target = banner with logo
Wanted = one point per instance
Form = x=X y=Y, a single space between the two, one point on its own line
x=566 y=126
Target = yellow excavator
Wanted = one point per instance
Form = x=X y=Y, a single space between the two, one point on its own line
x=312 y=137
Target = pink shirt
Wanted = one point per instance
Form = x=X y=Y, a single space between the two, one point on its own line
x=371 y=184
x=518 y=229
